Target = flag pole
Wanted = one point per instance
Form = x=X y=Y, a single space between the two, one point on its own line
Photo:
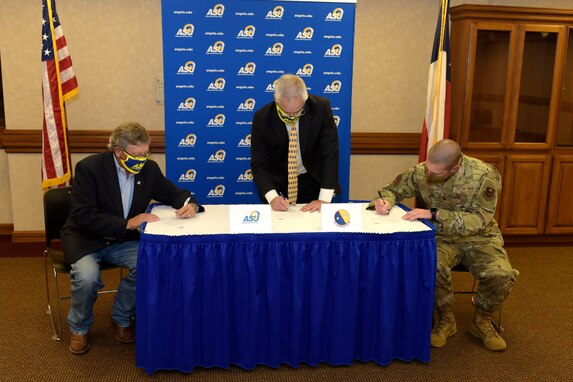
x=68 y=151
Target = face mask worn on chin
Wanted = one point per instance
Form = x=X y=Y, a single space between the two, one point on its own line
x=289 y=120
x=133 y=164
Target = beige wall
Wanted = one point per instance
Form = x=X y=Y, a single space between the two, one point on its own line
x=116 y=49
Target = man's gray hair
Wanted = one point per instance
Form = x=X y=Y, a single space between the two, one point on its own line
x=129 y=133
x=289 y=86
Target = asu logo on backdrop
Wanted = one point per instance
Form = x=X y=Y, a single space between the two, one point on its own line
x=217 y=48
x=217 y=86
x=305 y=35
x=248 y=105
x=305 y=71
x=187 y=105
x=335 y=15
x=275 y=14
x=247 y=176
x=218 y=157
x=245 y=142
x=188 y=141
x=186 y=31
x=217 y=11
x=217 y=121
x=271 y=87
x=276 y=50
x=188 y=176
x=217 y=192
x=248 y=69
x=334 y=87
x=335 y=51
x=188 y=68
x=247 y=32
x=336 y=120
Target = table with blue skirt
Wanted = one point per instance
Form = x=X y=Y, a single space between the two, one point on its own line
x=210 y=298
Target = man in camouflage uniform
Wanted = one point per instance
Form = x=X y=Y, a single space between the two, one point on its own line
x=459 y=194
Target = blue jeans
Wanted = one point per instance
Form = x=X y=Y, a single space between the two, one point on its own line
x=85 y=282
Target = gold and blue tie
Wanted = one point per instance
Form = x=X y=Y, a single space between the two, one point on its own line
x=292 y=164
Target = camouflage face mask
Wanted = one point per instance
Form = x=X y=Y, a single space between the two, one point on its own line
x=433 y=178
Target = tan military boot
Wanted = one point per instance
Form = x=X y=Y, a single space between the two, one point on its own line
x=444 y=327
x=482 y=327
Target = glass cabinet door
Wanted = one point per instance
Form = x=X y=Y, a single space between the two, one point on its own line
x=534 y=108
x=491 y=85
x=564 y=134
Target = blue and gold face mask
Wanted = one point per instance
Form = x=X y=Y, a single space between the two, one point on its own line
x=287 y=118
x=133 y=164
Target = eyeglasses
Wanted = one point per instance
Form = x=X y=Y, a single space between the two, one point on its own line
x=286 y=115
x=146 y=155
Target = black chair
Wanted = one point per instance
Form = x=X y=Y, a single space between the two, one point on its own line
x=57 y=203
x=462 y=269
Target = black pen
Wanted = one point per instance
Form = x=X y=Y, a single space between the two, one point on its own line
x=381 y=197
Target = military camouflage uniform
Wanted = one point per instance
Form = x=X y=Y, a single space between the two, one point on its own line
x=467 y=233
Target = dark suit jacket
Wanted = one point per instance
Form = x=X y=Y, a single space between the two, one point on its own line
x=318 y=137
x=96 y=216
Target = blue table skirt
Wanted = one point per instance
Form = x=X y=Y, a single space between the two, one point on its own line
x=272 y=299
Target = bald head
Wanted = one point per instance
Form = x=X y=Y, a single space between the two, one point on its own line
x=445 y=153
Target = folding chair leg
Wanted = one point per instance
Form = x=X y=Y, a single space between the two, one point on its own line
x=49 y=311
x=59 y=333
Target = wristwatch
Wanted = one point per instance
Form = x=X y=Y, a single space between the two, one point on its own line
x=434 y=212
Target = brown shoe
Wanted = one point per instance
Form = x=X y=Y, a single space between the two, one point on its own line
x=79 y=343
x=125 y=335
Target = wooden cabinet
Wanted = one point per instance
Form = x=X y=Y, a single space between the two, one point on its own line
x=512 y=106
x=560 y=211
x=523 y=207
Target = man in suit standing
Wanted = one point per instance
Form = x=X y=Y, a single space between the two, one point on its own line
x=301 y=126
x=110 y=194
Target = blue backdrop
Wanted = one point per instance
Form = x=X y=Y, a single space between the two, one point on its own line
x=220 y=63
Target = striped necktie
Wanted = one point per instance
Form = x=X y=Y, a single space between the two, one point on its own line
x=292 y=164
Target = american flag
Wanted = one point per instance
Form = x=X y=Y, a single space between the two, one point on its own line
x=59 y=84
x=437 y=120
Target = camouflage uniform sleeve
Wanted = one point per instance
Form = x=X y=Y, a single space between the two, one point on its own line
x=479 y=212
x=402 y=187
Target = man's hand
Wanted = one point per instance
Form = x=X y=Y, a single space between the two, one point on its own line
x=382 y=207
x=417 y=213
x=313 y=206
x=138 y=220
x=187 y=211
x=279 y=203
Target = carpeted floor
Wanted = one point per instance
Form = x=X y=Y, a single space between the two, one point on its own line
x=538 y=320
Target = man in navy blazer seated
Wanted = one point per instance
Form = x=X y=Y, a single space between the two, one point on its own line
x=316 y=146
x=110 y=194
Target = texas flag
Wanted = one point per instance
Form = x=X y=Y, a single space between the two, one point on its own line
x=437 y=118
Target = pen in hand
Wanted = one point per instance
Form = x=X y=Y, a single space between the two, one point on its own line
x=285 y=203
x=383 y=203
x=186 y=202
